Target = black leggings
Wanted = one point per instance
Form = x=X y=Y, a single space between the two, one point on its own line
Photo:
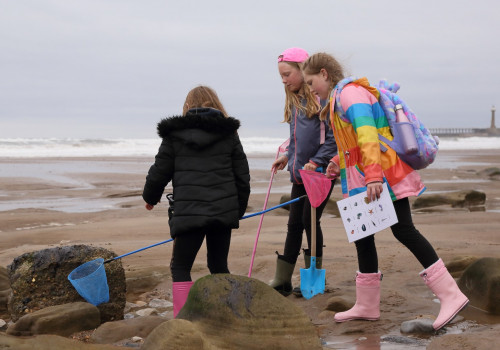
x=186 y=247
x=300 y=219
x=406 y=233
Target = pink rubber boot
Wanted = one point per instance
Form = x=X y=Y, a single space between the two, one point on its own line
x=439 y=280
x=367 y=305
x=180 y=291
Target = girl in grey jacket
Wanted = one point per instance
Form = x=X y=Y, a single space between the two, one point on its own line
x=312 y=145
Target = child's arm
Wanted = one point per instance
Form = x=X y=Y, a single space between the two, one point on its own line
x=241 y=174
x=159 y=175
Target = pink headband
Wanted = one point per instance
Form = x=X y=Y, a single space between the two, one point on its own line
x=293 y=54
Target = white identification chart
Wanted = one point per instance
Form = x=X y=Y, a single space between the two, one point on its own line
x=362 y=219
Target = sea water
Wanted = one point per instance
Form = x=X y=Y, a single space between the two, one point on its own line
x=253 y=146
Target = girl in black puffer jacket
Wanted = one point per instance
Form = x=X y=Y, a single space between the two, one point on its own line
x=203 y=157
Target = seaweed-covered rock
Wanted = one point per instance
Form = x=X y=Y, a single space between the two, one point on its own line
x=235 y=312
x=40 y=279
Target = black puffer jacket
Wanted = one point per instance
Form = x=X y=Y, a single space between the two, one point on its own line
x=202 y=155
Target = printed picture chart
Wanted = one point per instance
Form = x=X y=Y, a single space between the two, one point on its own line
x=363 y=219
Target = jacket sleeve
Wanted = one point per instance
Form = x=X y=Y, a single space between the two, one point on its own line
x=241 y=174
x=160 y=174
x=327 y=150
x=358 y=104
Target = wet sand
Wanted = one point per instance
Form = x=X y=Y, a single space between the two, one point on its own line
x=52 y=202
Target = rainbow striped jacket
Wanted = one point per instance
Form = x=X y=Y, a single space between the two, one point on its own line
x=362 y=157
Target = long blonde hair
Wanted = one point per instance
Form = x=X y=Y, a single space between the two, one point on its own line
x=315 y=63
x=203 y=97
x=294 y=99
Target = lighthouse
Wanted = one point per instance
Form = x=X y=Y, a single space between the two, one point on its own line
x=493 y=127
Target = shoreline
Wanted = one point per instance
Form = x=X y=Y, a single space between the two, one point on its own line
x=453 y=232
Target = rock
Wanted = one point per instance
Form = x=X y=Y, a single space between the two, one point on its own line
x=460 y=199
x=457 y=266
x=494 y=171
x=332 y=208
x=176 y=334
x=226 y=311
x=141 y=280
x=160 y=304
x=61 y=320
x=40 y=279
x=480 y=282
x=285 y=198
x=338 y=304
x=112 y=332
x=419 y=325
x=47 y=342
x=4 y=291
x=484 y=338
x=146 y=312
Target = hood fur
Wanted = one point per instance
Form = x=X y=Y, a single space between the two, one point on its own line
x=207 y=119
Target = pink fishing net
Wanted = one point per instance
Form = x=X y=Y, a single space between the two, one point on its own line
x=284 y=146
x=317 y=186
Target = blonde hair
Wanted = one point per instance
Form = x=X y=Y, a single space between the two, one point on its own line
x=203 y=97
x=294 y=99
x=315 y=63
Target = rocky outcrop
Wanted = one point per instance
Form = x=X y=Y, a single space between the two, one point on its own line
x=61 y=320
x=462 y=199
x=47 y=342
x=40 y=279
x=480 y=282
x=226 y=311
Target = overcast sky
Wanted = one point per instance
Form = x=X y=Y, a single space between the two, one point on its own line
x=97 y=68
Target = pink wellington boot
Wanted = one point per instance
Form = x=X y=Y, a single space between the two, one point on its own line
x=442 y=284
x=180 y=291
x=367 y=305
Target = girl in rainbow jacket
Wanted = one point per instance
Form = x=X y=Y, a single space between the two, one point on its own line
x=357 y=119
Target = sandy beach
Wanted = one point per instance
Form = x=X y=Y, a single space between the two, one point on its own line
x=52 y=202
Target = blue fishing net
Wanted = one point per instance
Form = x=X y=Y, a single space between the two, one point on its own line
x=90 y=281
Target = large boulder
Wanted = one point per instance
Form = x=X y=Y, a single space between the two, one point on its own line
x=481 y=283
x=40 y=279
x=235 y=312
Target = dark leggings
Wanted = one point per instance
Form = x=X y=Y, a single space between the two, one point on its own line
x=406 y=233
x=300 y=219
x=186 y=247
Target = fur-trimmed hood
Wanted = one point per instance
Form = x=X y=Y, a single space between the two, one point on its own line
x=200 y=127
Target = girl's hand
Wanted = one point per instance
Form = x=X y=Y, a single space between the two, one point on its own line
x=333 y=170
x=310 y=166
x=373 y=190
x=149 y=206
x=279 y=164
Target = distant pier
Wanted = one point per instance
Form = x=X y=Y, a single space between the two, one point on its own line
x=468 y=132
x=462 y=132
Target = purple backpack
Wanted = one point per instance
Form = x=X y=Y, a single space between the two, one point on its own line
x=426 y=144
